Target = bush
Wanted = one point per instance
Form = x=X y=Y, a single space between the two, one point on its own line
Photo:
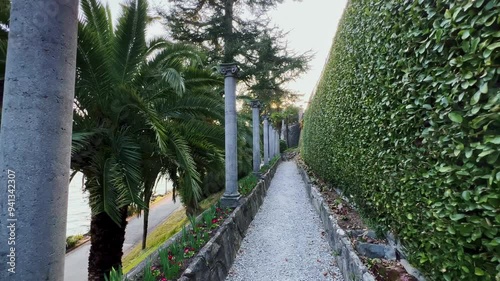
x=247 y=184
x=72 y=240
x=406 y=119
x=283 y=146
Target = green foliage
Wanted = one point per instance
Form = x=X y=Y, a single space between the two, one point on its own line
x=72 y=240
x=283 y=146
x=142 y=108
x=406 y=119
x=240 y=31
x=247 y=184
x=115 y=275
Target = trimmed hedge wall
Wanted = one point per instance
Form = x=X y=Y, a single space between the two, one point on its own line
x=406 y=120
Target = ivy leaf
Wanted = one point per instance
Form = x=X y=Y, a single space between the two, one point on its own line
x=445 y=169
x=478 y=271
x=492 y=139
x=475 y=98
x=456 y=217
x=455 y=117
x=466 y=195
x=493 y=46
x=484 y=88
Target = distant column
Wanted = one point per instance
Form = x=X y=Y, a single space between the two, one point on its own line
x=231 y=195
x=283 y=130
x=272 y=136
x=277 y=142
x=256 y=136
x=35 y=138
x=266 y=140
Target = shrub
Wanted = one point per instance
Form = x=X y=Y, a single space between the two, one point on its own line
x=406 y=119
x=283 y=146
x=247 y=184
x=72 y=240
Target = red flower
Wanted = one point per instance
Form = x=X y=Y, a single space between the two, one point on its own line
x=215 y=220
x=170 y=257
x=186 y=250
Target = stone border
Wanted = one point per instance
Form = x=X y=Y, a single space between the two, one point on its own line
x=347 y=259
x=213 y=261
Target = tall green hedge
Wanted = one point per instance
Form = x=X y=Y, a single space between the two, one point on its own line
x=406 y=120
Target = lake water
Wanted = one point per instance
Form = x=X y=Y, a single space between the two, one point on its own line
x=78 y=204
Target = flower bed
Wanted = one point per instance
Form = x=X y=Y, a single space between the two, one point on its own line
x=176 y=258
x=207 y=250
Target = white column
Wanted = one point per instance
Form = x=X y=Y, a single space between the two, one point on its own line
x=231 y=195
x=256 y=136
x=35 y=138
x=266 y=140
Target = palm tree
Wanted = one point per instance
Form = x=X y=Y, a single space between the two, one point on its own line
x=194 y=120
x=125 y=88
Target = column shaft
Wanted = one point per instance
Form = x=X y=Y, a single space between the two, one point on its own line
x=35 y=138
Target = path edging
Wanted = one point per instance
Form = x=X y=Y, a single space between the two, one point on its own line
x=348 y=261
x=213 y=261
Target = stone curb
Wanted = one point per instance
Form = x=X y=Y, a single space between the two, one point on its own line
x=351 y=266
x=347 y=258
x=213 y=261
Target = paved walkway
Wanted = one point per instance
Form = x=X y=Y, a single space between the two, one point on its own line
x=285 y=240
x=76 y=262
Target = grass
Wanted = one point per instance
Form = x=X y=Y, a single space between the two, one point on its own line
x=162 y=233
x=247 y=184
x=72 y=240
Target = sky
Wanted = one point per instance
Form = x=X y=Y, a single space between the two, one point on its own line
x=311 y=25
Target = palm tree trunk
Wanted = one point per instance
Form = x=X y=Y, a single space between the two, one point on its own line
x=35 y=138
x=145 y=226
x=148 y=192
x=106 y=239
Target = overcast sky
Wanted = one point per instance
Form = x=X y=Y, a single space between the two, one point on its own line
x=311 y=24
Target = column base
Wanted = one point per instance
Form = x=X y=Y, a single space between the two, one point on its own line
x=230 y=201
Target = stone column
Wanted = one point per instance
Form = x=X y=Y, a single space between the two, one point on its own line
x=274 y=142
x=283 y=130
x=231 y=195
x=266 y=140
x=35 y=138
x=271 y=141
x=256 y=137
x=277 y=142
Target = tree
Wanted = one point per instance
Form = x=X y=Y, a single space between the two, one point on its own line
x=194 y=117
x=226 y=30
x=125 y=87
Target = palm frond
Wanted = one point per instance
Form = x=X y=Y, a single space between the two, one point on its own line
x=98 y=20
x=130 y=40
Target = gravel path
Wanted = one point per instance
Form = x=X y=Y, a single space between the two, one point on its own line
x=284 y=241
